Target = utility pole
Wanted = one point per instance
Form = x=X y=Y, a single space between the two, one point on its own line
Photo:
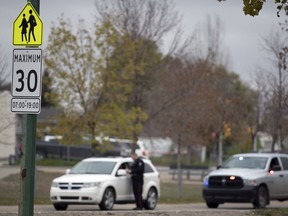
x=27 y=167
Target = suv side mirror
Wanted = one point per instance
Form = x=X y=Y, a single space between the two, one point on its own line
x=121 y=172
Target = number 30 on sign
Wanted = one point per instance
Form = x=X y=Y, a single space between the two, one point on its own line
x=26 y=77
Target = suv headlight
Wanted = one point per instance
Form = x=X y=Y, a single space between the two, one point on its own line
x=55 y=184
x=91 y=184
x=250 y=182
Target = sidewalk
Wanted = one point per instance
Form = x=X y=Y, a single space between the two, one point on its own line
x=6 y=170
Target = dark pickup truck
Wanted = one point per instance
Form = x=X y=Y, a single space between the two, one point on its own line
x=57 y=150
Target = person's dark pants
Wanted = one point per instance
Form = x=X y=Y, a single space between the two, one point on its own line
x=137 y=189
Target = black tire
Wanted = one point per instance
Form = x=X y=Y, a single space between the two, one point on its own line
x=261 y=199
x=212 y=205
x=60 y=206
x=151 y=200
x=108 y=200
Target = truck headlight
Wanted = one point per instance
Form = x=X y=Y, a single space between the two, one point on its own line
x=206 y=181
x=250 y=182
x=91 y=184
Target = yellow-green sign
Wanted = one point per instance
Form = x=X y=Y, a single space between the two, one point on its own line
x=28 y=28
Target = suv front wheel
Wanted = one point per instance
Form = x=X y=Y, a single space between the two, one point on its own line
x=60 y=206
x=108 y=199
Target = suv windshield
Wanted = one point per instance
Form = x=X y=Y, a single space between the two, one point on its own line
x=93 y=167
x=249 y=162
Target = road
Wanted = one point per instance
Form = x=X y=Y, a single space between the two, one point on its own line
x=199 y=209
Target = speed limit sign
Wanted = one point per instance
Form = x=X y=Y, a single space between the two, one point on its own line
x=26 y=76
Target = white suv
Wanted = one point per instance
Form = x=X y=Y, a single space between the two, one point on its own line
x=103 y=181
x=254 y=178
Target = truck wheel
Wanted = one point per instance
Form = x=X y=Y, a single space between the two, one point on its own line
x=212 y=205
x=108 y=200
x=60 y=206
x=261 y=199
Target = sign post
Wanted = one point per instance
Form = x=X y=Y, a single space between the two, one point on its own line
x=26 y=92
x=27 y=170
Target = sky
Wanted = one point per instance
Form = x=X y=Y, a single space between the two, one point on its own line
x=241 y=34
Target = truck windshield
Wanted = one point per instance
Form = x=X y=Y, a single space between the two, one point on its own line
x=93 y=167
x=249 y=162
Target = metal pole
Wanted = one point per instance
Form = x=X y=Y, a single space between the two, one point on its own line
x=36 y=5
x=220 y=148
x=27 y=169
x=27 y=173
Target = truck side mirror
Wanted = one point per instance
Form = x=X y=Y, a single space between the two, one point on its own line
x=275 y=168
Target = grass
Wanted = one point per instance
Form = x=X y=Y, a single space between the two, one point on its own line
x=190 y=193
x=271 y=212
x=9 y=190
x=57 y=162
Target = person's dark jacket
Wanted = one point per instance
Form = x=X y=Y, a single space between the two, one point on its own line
x=137 y=169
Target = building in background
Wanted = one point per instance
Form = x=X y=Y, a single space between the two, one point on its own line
x=7 y=126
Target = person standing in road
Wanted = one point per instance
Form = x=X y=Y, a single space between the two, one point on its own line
x=137 y=175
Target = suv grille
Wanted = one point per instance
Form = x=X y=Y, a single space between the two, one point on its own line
x=225 y=182
x=70 y=186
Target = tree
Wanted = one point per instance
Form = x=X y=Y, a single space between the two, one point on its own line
x=256 y=114
x=275 y=46
x=75 y=80
x=118 y=117
x=198 y=65
x=103 y=78
x=142 y=24
x=253 y=7
x=47 y=90
x=177 y=106
x=149 y=20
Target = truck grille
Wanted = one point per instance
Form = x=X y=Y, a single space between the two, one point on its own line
x=70 y=186
x=225 y=182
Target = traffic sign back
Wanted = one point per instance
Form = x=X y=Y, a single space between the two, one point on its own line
x=28 y=27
